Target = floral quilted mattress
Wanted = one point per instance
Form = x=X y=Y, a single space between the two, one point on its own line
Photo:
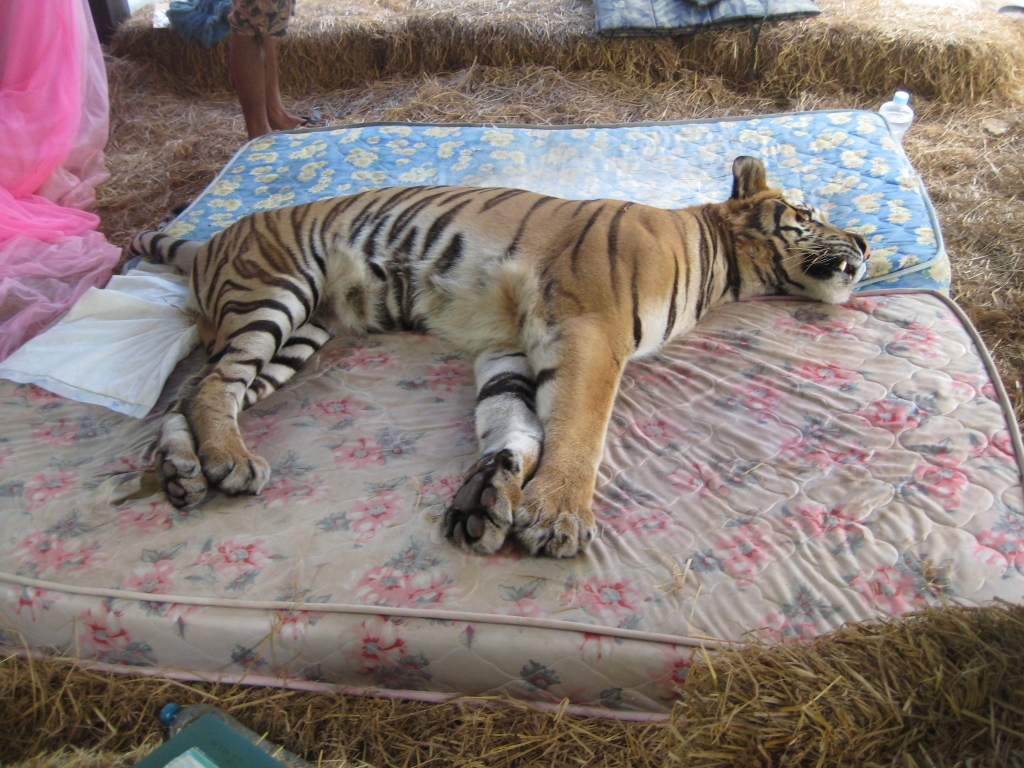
x=845 y=163
x=784 y=469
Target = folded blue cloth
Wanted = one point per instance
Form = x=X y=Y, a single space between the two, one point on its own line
x=200 y=21
x=646 y=17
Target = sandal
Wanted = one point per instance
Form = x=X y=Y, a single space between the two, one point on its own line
x=312 y=121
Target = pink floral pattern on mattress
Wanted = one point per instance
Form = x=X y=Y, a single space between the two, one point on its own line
x=785 y=469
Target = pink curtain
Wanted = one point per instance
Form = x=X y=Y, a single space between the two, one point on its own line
x=53 y=127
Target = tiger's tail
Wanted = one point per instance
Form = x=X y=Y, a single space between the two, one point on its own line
x=164 y=249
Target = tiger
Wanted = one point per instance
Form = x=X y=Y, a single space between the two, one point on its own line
x=549 y=297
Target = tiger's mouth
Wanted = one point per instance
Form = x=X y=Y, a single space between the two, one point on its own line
x=853 y=269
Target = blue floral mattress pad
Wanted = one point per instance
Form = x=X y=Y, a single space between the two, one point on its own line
x=845 y=163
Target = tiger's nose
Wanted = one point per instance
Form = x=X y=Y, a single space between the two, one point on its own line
x=862 y=245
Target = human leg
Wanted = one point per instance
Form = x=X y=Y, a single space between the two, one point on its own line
x=253 y=51
x=278 y=117
x=248 y=69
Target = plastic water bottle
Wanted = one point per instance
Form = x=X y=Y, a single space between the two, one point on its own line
x=898 y=115
x=177 y=717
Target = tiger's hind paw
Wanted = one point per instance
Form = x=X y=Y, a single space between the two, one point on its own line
x=177 y=466
x=480 y=515
x=234 y=472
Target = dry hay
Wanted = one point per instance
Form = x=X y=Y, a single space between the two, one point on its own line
x=942 y=687
x=929 y=689
x=957 y=53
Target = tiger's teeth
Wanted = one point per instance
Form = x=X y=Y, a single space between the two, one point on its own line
x=842 y=267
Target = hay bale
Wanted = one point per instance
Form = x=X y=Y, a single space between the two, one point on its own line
x=871 y=47
x=932 y=688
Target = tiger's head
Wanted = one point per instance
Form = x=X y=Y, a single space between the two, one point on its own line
x=792 y=247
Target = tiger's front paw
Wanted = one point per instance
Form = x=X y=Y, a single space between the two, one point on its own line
x=480 y=515
x=177 y=467
x=234 y=471
x=554 y=518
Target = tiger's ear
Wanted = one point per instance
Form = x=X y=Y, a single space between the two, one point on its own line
x=748 y=177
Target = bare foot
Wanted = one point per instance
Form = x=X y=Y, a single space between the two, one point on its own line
x=283 y=121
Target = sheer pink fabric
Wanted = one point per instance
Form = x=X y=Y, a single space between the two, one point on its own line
x=53 y=126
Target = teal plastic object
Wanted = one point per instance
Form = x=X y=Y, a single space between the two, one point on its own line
x=220 y=745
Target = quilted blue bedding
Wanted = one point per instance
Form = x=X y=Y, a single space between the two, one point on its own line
x=661 y=17
x=845 y=163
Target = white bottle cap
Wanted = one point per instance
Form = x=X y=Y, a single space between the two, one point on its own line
x=901 y=97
